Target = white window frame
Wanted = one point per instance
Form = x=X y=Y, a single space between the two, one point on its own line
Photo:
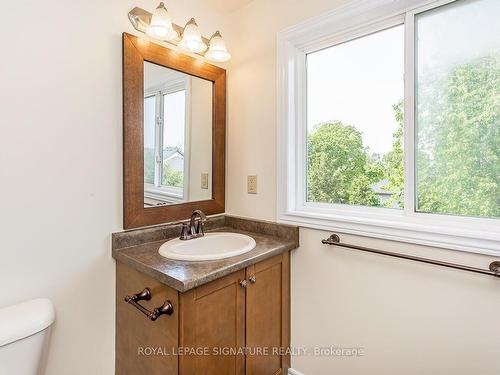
x=157 y=191
x=356 y=19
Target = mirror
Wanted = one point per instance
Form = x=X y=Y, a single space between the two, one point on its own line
x=174 y=134
x=177 y=137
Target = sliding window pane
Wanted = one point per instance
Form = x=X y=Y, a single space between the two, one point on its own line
x=458 y=109
x=355 y=94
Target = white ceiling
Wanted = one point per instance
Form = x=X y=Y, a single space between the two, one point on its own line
x=226 y=6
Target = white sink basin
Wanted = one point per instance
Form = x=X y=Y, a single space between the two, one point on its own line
x=211 y=246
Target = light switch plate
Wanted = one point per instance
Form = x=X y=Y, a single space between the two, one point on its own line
x=204 y=180
x=252 y=184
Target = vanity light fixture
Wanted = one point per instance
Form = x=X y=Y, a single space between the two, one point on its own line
x=217 y=50
x=159 y=25
x=191 y=38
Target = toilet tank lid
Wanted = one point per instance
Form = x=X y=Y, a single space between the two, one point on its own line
x=25 y=319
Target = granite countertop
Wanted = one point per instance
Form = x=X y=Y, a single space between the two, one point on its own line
x=139 y=250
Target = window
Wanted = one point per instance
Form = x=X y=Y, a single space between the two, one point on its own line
x=458 y=109
x=164 y=140
x=391 y=127
x=354 y=121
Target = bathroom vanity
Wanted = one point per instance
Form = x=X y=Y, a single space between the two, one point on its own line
x=228 y=316
x=177 y=310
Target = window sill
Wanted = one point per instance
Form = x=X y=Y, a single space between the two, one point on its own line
x=163 y=194
x=447 y=234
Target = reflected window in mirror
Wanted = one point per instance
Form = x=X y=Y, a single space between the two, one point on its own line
x=177 y=137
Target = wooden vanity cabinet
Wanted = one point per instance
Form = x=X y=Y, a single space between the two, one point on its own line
x=248 y=310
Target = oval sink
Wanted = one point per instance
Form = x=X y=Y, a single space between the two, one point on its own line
x=211 y=246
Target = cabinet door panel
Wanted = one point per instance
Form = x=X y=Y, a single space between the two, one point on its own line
x=136 y=335
x=267 y=316
x=214 y=317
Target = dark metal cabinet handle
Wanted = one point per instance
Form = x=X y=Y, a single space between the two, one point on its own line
x=166 y=309
x=253 y=279
x=243 y=283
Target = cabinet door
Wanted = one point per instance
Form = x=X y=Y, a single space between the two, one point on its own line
x=141 y=343
x=268 y=316
x=213 y=317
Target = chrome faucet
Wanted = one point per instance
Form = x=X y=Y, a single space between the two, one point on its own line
x=195 y=228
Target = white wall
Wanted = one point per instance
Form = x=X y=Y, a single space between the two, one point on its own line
x=61 y=165
x=410 y=318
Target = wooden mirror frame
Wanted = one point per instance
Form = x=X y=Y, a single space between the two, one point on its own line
x=135 y=52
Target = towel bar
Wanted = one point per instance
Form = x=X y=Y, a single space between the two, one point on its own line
x=494 y=270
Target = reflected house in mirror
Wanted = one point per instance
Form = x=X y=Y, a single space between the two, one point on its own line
x=177 y=136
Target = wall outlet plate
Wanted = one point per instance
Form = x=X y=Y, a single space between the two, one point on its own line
x=252 y=184
x=204 y=180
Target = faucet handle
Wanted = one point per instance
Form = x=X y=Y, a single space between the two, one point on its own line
x=199 y=227
x=184 y=231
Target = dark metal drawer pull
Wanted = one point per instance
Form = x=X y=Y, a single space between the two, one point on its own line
x=166 y=309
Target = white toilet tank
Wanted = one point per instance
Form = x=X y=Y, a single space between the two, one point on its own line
x=24 y=334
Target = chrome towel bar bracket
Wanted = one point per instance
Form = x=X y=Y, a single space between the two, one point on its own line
x=494 y=269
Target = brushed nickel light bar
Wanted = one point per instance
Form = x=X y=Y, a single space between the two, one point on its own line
x=159 y=25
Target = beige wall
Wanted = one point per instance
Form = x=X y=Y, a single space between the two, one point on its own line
x=410 y=318
x=61 y=165
x=251 y=37
x=200 y=134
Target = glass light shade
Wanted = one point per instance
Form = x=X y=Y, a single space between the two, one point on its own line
x=161 y=24
x=191 y=38
x=217 y=50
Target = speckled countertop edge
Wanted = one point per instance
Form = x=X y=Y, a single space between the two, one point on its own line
x=139 y=250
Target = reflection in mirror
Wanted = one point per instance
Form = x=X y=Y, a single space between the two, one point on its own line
x=177 y=137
